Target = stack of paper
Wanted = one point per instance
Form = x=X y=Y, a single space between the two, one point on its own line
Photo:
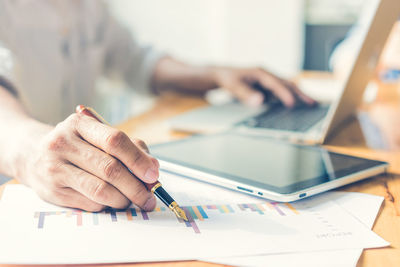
x=224 y=226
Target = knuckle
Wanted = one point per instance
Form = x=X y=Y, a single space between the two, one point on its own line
x=112 y=169
x=140 y=143
x=116 y=139
x=140 y=195
x=99 y=191
x=53 y=168
x=137 y=157
x=57 y=142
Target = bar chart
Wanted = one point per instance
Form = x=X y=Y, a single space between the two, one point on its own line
x=194 y=213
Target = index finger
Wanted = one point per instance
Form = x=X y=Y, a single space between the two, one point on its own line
x=279 y=89
x=119 y=145
x=303 y=97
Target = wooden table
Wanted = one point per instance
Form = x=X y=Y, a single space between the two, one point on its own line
x=383 y=114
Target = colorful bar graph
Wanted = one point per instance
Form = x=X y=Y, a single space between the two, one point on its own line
x=129 y=215
x=200 y=213
x=221 y=209
x=190 y=222
x=144 y=215
x=275 y=204
x=133 y=212
x=197 y=212
x=113 y=214
x=230 y=208
x=95 y=218
x=42 y=215
x=78 y=214
x=192 y=213
x=292 y=208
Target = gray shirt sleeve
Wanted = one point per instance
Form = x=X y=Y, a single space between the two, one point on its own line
x=125 y=58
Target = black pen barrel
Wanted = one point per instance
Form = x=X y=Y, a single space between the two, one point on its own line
x=163 y=196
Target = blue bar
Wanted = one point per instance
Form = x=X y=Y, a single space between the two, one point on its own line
x=133 y=212
x=202 y=212
x=113 y=214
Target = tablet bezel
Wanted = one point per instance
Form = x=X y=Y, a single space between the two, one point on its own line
x=287 y=193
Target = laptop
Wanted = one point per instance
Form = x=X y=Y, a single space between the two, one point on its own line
x=302 y=123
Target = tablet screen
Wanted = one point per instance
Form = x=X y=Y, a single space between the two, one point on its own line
x=260 y=161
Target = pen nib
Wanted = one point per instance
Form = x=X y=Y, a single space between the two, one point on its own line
x=180 y=213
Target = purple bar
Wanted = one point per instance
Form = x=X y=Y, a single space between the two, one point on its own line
x=195 y=228
x=144 y=214
x=191 y=222
x=278 y=209
x=113 y=214
x=42 y=215
x=189 y=216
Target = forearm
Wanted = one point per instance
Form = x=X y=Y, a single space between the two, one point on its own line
x=172 y=74
x=18 y=131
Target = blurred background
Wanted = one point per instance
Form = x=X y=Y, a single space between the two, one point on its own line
x=283 y=36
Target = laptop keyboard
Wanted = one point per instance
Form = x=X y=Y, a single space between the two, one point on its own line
x=298 y=119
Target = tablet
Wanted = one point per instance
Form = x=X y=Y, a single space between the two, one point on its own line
x=262 y=166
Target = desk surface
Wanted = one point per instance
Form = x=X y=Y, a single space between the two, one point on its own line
x=383 y=116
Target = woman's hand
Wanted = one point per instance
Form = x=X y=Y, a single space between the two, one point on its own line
x=83 y=164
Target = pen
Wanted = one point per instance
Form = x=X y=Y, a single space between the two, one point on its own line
x=156 y=188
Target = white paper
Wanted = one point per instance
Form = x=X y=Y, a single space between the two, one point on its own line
x=310 y=225
x=364 y=207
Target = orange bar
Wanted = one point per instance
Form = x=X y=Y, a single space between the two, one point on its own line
x=198 y=214
x=129 y=215
x=292 y=208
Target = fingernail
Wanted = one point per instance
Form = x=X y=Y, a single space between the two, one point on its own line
x=151 y=175
x=150 y=203
x=255 y=100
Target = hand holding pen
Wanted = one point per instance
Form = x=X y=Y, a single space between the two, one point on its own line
x=153 y=186
x=84 y=164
